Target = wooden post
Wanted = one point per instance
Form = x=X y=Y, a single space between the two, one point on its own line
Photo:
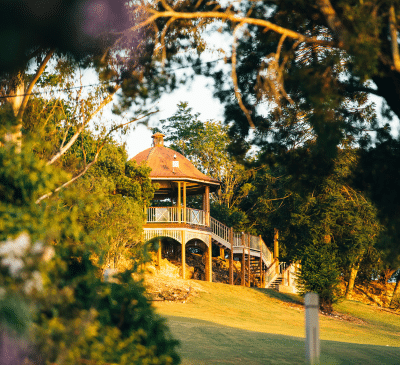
x=231 y=257
x=179 y=201
x=183 y=254
x=261 y=262
x=222 y=253
x=184 y=201
x=243 y=281
x=159 y=257
x=276 y=243
x=206 y=204
x=312 y=328
x=276 y=249
x=209 y=261
x=248 y=261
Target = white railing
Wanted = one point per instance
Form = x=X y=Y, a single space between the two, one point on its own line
x=237 y=239
x=198 y=217
x=195 y=216
x=271 y=274
x=266 y=253
x=220 y=229
x=162 y=214
x=255 y=243
x=290 y=274
x=171 y=215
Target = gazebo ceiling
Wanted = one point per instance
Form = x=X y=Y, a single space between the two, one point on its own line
x=169 y=167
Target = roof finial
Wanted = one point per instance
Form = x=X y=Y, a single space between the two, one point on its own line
x=158 y=139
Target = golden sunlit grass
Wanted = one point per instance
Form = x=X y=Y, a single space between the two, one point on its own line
x=233 y=325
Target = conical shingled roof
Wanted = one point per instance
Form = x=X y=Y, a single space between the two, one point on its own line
x=161 y=160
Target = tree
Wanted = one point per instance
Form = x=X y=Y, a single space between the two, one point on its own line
x=205 y=144
x=73 y=312
x=333 y=219
x=360 y=38
x=313 y=64
x=70 y=313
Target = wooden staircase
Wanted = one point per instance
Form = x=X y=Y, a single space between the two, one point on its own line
x=256 y=277
x=276 y=282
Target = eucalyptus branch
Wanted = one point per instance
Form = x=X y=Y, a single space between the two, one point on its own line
x=393 y=39
x=88 y=166
x=32 y=84
x=333 y=21
x=162 y=40
x=234 y=78
x=65 y=137
x=64 y=148
x=235 y=19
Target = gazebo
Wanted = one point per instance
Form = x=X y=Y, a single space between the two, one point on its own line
x=177 y=178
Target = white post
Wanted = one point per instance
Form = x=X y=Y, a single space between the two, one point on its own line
x=311 y=302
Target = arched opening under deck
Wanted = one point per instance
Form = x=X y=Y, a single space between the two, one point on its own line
x=194 y=249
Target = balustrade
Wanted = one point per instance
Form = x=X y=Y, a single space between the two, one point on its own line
x=171 y=215
x=198 y=217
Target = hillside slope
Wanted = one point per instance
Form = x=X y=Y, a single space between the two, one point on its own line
x=223 y=324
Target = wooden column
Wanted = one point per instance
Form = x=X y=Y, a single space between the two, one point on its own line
x=179 y=202
x=206 y=204
x=261 y=262
x=222 y=253
x=209 y=261
x=183 y=254
x=248 y=261
x=243 y=279
x=276 y=249
x=159 y=257
x=231 y=257
x=184 y=201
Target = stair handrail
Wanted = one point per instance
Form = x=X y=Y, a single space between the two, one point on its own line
x=270 y=273
x=290 y=274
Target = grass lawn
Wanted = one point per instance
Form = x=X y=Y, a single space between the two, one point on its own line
x=235 y=325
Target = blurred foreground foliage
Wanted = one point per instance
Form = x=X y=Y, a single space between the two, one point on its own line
x=56 y=306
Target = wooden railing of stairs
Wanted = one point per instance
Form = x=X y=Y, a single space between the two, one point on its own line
x=258 y=267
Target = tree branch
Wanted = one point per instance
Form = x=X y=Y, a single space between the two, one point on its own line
x=234 y=18
x=66 y=147
x=32 y=84
x=333 y=21
x=393 y=38
x=88 y=166
x=234 y=79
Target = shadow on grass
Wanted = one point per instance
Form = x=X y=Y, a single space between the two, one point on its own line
x=204 y=342
x=284 y=297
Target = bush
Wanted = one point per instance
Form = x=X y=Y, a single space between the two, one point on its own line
x=54 y=305
x=319 y=273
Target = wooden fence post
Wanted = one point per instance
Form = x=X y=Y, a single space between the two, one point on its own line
x=311 y=303
x=231 y=257
x=248 y=261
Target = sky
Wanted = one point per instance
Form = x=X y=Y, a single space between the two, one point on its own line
x=200 y=99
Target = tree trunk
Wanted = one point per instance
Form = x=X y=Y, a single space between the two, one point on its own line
x=352 y=280
x=396 y=291
x=386 y=274
x=15 y=97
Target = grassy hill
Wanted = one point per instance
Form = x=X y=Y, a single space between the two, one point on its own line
x=223 y=324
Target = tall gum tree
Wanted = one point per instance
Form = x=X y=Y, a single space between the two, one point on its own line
x=313 y=63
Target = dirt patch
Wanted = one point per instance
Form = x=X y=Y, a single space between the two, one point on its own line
x=343 y=317
x=164 y=284
x=374 y=293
